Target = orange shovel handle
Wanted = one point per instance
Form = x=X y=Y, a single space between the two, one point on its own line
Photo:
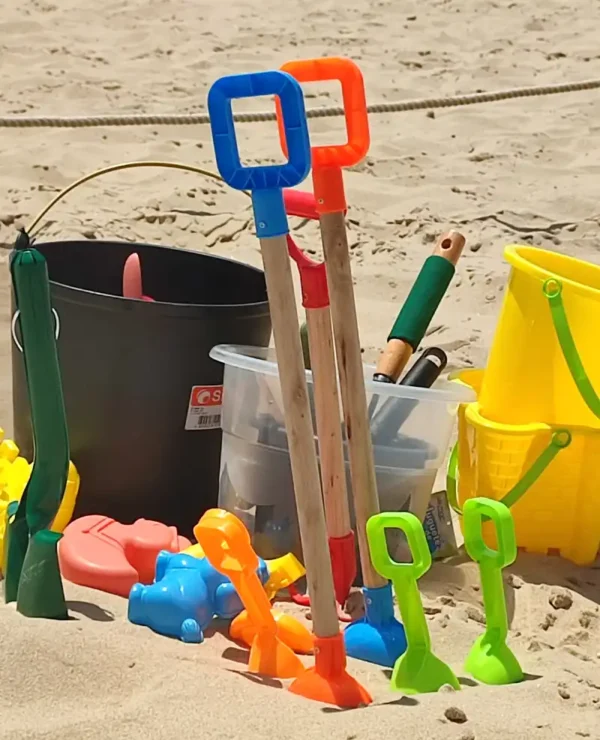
x=327 y=161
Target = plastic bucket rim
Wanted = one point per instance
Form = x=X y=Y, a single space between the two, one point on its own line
x=148 y=304
x=513 y=253
x=244 y=357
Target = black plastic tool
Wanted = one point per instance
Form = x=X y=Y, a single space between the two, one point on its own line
x=395 y=411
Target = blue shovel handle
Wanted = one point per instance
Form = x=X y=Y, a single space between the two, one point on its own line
x=265 y=182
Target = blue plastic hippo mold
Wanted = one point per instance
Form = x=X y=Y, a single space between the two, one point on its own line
x=187 y=593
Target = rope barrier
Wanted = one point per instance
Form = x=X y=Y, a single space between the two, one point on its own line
x=203 y=119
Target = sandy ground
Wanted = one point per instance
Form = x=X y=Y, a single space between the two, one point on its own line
x=519 y=171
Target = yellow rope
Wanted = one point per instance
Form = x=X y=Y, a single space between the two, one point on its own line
x=203 y=118
x=116 y=168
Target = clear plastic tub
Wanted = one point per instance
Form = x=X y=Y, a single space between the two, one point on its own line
x=256 y=478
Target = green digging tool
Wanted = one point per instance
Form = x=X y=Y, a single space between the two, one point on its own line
x=418 y=671
x=491 y=661
x=419 y=307
x=32 y=576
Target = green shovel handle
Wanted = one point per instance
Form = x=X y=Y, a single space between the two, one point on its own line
x=385 y=565
x=475 y=512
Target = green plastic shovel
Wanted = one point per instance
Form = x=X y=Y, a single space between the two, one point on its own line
x=418 y=671
x=490 y=660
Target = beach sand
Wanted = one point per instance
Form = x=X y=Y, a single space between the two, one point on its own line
x=518 y=171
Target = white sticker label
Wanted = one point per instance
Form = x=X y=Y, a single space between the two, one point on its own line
x=204 y=410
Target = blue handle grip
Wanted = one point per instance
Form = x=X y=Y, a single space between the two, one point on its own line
x=265 y=182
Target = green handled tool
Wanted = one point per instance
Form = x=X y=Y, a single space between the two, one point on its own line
x=418 y=671
x=419 y=307
x=491 y=661
x=32 y=576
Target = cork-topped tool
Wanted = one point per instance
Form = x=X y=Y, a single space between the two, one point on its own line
x=419 y=307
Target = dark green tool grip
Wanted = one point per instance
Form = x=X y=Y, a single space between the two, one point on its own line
x=51 y=441
x=422 y=301
x=32 y=574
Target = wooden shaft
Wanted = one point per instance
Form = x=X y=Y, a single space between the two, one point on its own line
x=394 y=359
x=352 y=384
x=303 y=457
x=329 y=430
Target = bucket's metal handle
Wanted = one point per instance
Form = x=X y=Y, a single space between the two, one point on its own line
x=296 y=203
x=117 y=168
x=561 y=439
x=553 y=291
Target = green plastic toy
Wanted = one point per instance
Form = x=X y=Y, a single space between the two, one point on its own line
x=490 y=660
x=418 y=671
x=16 y=539
x=40 y=592
x=40 y=588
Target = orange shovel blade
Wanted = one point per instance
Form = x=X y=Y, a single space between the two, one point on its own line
x=289 y=630
x=269 y=656
x=328 y=681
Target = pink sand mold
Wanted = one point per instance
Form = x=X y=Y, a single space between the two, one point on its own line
x=101 y=553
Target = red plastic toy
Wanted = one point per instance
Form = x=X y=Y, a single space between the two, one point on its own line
x=98 y=552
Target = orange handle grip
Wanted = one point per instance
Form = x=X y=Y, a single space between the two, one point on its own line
x=327 y=161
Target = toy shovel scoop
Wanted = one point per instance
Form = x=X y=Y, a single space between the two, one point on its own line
x=226 y=544
x=418 y=671
x=491 y=661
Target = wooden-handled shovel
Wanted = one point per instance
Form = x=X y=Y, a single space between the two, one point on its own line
x=315 y=299
x=328 y=681
x=379 y=638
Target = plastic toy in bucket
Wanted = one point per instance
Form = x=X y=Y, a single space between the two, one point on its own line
x=551 y=307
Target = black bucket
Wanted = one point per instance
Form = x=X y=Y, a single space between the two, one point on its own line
x=135 y=374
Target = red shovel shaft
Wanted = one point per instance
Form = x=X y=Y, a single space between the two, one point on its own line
x=315 y=299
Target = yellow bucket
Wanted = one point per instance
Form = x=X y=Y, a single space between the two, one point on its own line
x=545 y=357
x=546 y=474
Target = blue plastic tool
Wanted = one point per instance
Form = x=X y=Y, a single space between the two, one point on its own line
x=328 y=681
x=264 y=181
x=378 y=637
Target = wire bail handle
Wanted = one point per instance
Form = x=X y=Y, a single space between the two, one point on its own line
x=13 y=328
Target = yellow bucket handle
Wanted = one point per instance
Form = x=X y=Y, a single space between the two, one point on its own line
x=561 y=439
x=553 y=291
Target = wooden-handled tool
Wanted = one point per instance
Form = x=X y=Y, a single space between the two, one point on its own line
x=328 y=185
x=393 y=412
x=378 y=637
x=132 y=279
x=328 y=681
x=315 y=299
x=419 y=307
